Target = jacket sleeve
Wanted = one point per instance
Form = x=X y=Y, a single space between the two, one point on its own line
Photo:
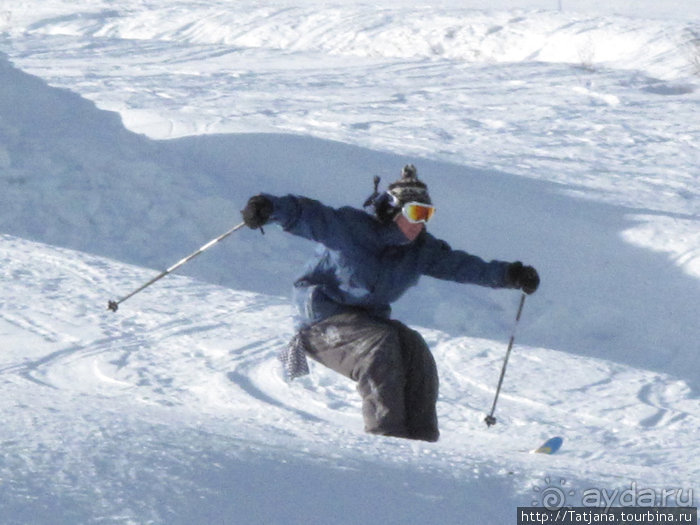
x=308 y=218
x=442 y=262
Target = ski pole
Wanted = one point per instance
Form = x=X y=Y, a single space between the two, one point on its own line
x=114 y=305
x=490 y=419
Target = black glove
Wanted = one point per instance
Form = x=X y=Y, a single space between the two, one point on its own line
x=257 y=212
x=523 y=277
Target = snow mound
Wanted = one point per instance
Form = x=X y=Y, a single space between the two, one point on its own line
x=390 y=32
x=75 y=177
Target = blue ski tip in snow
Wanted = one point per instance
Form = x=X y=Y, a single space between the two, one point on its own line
x=550 y=446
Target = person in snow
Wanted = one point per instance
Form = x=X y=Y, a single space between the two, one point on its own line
x=344 y=296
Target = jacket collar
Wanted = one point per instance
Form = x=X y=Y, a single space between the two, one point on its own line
x=393 y=236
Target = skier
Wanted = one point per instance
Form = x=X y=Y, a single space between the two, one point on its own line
x=344 y=296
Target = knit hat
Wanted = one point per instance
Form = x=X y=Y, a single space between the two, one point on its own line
x=409 y=188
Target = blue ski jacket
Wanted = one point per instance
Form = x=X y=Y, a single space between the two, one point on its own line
x=367 y=264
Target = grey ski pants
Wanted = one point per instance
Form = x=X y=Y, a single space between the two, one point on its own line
x=392 y=366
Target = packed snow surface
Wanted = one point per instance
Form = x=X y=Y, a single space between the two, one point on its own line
x=562 y=134
x=173 y=410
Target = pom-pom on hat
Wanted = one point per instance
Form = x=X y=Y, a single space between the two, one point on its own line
x=409 y=188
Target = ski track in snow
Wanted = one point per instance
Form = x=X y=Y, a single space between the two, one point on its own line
x=173 y=410
x=202 y=375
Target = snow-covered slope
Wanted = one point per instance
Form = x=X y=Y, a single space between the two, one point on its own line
x=75 y=177
x=594 y=99
x=174 y=411
x=566 y=139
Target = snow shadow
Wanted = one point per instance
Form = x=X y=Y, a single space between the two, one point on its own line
x=600 y=296
x=73 y=176
x=194 y=478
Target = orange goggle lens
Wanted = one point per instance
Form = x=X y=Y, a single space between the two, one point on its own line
x=417 y=212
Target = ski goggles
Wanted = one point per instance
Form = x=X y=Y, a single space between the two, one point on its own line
x=417 y=212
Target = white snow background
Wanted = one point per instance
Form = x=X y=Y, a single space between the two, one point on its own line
x=563 y=134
